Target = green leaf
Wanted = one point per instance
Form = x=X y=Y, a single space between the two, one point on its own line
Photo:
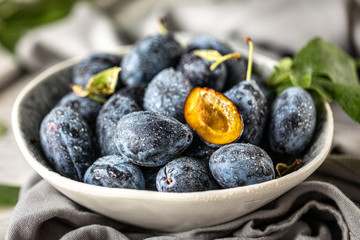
x=2 y=128
x=357 y=62
x=9 y=195
x=347 y=96
x=97 y=98
x=282 y=72
x=284 y=85
x=325 y=69
x=321 y=91
x=285 y=63
x=100 y=85
x=104 y=83
x=303 y=80
x=324 y=59
x=18 y=17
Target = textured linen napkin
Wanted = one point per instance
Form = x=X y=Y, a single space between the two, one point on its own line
x=312 y=210
x=327 y=207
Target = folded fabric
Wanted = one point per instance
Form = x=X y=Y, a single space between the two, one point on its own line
x=342 y=171
x=312 y=210
x=85 y=30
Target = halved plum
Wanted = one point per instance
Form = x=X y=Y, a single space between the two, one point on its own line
x=213 y=116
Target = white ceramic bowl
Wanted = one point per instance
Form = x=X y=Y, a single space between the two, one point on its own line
x=150 y=209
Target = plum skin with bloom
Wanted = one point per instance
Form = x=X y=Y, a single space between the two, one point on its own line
x=66 y=141
x=115 y=172
x=241 y=164
x=151 y=139
x=292 y=122
x=185 y=174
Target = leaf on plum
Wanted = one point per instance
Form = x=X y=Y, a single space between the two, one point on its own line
x=324 y=68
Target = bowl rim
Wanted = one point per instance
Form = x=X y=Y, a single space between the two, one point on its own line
x=88 y=189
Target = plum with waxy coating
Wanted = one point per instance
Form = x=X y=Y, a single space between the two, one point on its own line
x=86 y=107
x=151 y=139
x=292 y=122
x=115 y=172
x=241 y=164
x=136 y=93
x=115 y=108
x=167 y=93
x=66 y=141
x=92 y=65
x=253 y=108
x=185 y=174
x=197 y=71
x=148 y=57
x=236 y=70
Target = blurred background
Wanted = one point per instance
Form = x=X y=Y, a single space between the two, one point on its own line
x=35 y=34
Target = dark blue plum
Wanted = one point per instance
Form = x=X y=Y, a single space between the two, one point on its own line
x=197 y=71
x=268 y=92
x=292 y=122
x=115 y=108
x=150 y=174
x=148 y=57
x=236 y=70
x=136 y=93
x=167 y=93
x=199 y=149
x=253 y=108
x=92 y=65
x=66 y=142
x=151 y=139
x=241 y=164
x=115 y=172
x=209 y=42
x=86 y=107
x=185 y=174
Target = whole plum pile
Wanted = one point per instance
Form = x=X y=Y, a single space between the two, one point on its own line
x=179 y=119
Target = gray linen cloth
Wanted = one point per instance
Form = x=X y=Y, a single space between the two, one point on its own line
x=312 y=210
x=326 y=206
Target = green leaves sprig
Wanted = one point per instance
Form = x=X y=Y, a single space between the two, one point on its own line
x=325 y=69
x=101 y=84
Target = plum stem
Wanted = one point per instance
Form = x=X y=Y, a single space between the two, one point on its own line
x=161 y=26
x=250 y=60
x=224 y=58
